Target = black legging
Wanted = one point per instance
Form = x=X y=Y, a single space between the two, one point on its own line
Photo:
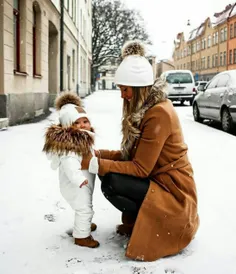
x=125 y=192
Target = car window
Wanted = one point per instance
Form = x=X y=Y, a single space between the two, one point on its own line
x=223 y=81
x=213 y=83
x=179 y=78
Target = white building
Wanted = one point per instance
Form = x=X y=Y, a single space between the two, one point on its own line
x=30 y=53
x=85 y=46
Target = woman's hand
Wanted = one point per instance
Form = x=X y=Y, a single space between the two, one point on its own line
x=85 y=161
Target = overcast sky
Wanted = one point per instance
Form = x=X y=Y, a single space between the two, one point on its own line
x=165 y=18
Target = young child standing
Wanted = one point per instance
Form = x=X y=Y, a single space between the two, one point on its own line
x=65 y=144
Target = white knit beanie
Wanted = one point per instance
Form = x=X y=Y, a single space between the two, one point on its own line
x=69 y=113
x=135 y=70
x=70 y=108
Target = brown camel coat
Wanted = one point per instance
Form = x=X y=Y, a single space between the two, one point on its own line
x=168 y=219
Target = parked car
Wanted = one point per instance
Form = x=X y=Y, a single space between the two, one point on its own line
x=200 y=85
x=180 y=85
x=217 y=101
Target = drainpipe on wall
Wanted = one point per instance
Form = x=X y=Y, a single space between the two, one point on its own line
x=62 y=45
x=227 y=44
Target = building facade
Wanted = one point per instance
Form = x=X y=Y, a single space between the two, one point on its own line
x=232 y=39
x=85 y=47
x=30 y=55
x=162 y=66
x=205 y=51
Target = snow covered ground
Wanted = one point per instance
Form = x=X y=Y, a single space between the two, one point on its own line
x=35 y=218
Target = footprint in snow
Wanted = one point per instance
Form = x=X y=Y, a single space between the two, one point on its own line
x=73 y=262
x=50 y=217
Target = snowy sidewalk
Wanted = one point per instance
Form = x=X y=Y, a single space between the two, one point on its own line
x=34 y=216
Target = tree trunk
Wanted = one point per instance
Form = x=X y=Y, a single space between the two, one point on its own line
x=94 y=77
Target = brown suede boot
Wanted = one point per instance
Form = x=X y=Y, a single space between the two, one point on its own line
x=87 y=242
x=127 y=227
x=124 y=230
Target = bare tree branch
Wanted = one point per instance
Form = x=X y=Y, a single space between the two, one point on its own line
x=112 y=26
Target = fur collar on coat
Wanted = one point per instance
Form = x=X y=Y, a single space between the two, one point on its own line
x=60 y=140
x=131 y=128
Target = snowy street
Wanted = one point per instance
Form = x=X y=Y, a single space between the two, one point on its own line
x=35 y=217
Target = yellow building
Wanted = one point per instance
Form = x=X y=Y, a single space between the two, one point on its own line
x=204 y=51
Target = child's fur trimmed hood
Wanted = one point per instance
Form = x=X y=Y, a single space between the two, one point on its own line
x=60 y=140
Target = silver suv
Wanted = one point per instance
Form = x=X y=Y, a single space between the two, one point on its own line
x=217 y=100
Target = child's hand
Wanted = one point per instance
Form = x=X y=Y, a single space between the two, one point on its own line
x=84 y=183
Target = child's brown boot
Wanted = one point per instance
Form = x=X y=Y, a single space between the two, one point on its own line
x=87 y=242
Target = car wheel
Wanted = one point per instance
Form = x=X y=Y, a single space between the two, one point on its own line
x=196 y=114
x=191 y=102
x=226 y=120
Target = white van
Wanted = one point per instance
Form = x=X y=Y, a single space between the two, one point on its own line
x=180 y=85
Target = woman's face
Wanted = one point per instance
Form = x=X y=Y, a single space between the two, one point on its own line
x=126 y=92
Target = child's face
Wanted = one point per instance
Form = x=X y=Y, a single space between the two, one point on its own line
x=82 y=123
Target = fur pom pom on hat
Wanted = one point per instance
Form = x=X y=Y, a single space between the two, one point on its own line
x=135 y=70
x=70 y=108
x=67 y=98
x=133 y=48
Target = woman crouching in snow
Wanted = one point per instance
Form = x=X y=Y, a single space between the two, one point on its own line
x=150 y=180
x=65 y=144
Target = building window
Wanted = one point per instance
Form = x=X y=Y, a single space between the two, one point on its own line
x=231 y=31
x=221 y=59
x=203 y=62
x=209 y=41
x=225 y=33
x=234 y=56
x=230 y=57
x=19 y=38
x=208 y=62
x=36 y=39
x=214 y=39
x=235 y=29
x=225 y=58
x=16 y=14
x=217 y=37
x=81 y=69
x=74 y=8
x=213 y=61
x=222 y=35
x=73 y=65
x=216 y=60
x=189 y=50
x=68 y=73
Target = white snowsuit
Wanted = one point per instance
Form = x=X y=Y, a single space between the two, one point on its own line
x=79 y=198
